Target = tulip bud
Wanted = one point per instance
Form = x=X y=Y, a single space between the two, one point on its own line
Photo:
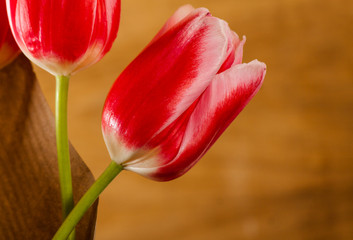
x=64 y=37
x=171 y=104
x=8 y=47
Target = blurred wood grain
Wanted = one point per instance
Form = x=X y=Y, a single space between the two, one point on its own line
x=284 y=168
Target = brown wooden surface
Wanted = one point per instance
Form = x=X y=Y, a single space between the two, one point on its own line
x=284 y=168
x=30 y=203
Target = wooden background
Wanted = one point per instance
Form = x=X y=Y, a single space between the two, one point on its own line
x=283 y=169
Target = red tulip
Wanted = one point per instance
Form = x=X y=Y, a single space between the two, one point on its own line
x=8 y=47
x=63 y=37
x=176 y=98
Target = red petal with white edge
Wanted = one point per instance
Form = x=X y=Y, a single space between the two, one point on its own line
x=238 y=54
x=164 y=80
x=233 y=45
x=40 y=32
x=223 y=100
x=63 y=36
x=179 y=15
x=104 y=32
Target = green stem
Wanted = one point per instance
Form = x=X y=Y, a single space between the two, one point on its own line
x=62 y=144
x=87 y=200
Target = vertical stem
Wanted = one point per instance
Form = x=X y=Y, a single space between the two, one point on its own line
x=62 y=144
x=87 y=200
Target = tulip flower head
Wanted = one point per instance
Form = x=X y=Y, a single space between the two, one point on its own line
x=63 y=37
x=172 y=103
x=8 y=47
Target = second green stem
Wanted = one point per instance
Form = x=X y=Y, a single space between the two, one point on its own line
x=62 y=143
x=87 y=200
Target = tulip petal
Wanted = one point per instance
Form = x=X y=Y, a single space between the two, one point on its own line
x=35 y=18
x=64 y=36
x=8 y=47
x=233 y=45
x=103 y=35
x=238 y=55
x=222 y=101
x=4 y=24
x=164 y=80
x=178 y=16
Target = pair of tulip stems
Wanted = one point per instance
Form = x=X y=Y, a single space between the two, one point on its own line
x=70 y=214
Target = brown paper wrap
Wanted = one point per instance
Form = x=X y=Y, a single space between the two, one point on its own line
x=30 y=205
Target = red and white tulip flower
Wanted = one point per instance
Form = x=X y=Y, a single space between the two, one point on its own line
x=177 y=97
x=8 y=47
x=63 y=37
